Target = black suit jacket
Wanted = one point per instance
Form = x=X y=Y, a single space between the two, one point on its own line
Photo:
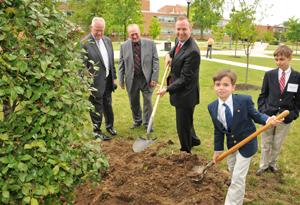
x=184 y=75
x=271 y=100
x=93 y=53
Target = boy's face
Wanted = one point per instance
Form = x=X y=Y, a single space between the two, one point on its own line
x=282 y=61
x=224 y=88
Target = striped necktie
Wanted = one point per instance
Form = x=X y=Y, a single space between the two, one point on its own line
x=282 y=81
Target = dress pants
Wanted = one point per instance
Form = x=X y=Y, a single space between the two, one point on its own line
x=238 y=167
x=271 y=142
x=103 y=105
x=185 y=128
x=140 y=84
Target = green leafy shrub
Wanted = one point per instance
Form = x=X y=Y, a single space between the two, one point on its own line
x=274 y=42
x=45 y=151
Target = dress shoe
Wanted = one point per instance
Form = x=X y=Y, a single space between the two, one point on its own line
x=228 y=182
x=260 y=171
x=196 y=143
x=152 y=129
x=111 y=131
x=103 y=137
x=135 y=125
x=274 y=169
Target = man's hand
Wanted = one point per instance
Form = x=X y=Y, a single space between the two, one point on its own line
x=115 y=82
x=274 y=121
x=216 y=155
x=122 y=86
x=161 y=92
x=153 y=84
x=167 y=60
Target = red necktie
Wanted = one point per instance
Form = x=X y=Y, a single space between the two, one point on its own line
x=282 y=81
x=178 y=47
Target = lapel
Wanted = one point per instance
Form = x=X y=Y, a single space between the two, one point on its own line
x=96 y=49
x=130 y=51
x=275 y=83
x=236 y=111
x=181 y=50
x=214 y=115
x=292 y=79
x=143 y=54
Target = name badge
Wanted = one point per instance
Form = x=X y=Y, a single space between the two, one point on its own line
x=293 y=88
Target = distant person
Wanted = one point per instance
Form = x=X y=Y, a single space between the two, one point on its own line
x=261 y=41
x=183 y=82
x=139 y=65
x=280 y=91
x=233 y=116
x=100 y=50
x=210 y=42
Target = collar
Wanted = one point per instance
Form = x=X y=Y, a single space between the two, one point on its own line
x=182 y=43
x=228 y=101
x=287 y=71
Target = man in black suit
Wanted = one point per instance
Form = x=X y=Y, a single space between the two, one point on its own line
x=100 y=51
x=183 y=82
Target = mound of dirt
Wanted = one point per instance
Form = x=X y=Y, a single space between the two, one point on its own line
x=247 y=87
x=147 y=178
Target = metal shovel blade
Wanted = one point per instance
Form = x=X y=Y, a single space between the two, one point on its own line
x=141 y=144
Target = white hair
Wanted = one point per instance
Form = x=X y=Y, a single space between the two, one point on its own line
x=98 y=20
x=133 y=25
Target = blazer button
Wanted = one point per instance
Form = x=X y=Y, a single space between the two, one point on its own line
x=238 y=110
x=279 y=108
x=234 y=142
x=232 y=135
x=280 y=99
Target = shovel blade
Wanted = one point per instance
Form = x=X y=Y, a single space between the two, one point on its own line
x=141 y=144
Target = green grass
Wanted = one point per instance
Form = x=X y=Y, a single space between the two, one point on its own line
x=274 y=47
x=294 y=55
x=267 y=62
x=116 y=46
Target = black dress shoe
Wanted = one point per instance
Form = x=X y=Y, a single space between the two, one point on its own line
x=260 y=171
x=111 y=131
x=274 y=169
x=152 y=129
x=135 y=125
x=103 y=137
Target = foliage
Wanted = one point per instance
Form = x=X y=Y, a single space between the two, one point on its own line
x=293 y=34
x=44 y=150
x=206 y=13
x=267 y=36
x=276 y=35
x=218 y=32
x=154 y=28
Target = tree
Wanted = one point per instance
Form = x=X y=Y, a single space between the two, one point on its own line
x=45 y=150
x=267 y=35
x=206 y=13
x=293 y=33
x=249 y=12
x=218 y=32
x=154 y=28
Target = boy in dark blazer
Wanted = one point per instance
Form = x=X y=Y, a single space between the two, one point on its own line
x=232 y=115
x=279 y=92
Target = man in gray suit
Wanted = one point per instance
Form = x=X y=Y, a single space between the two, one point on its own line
x=100 y=51
x=140 y=64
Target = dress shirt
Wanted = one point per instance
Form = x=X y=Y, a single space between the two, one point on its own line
x=221 y=110
x=287 y=74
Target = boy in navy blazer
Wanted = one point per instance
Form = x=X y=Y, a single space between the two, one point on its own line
x=232 y=115
x=279 y=92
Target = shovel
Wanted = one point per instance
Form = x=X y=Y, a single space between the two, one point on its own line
x=201 y=169
x=142 y=143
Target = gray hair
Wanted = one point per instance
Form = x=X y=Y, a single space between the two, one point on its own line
x=98 y=20
x=133 y=25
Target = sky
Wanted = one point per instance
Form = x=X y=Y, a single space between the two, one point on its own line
x=281 y=10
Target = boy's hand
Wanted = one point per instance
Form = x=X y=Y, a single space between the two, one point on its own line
x=274 y=121
x=216 y=155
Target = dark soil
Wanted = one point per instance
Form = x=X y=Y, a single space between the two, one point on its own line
x=146 y=178
x=247 y=87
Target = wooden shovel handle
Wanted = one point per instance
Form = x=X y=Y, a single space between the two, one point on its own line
x=249 y=138
x=161 y=86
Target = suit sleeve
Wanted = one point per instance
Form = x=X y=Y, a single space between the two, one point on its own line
x=113 y=63
x=218 y=136
x=155 y=63
x=262 y=98
x=121 y=66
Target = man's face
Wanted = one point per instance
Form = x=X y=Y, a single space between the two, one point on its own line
x=134 y=33
x=282 y=61
x=98 y=30
x=183 y=30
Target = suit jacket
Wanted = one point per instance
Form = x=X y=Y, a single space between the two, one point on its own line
x=242 y=124
x=93 y=53
x=149 y=62
x=271 y=100
x=184 y=86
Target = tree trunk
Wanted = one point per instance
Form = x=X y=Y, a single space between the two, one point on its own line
x=237 y=40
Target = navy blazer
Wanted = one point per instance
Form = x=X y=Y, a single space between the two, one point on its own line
x=271 y=101
x=184 y=87
x=242 y=124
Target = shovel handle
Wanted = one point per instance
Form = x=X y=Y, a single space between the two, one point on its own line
x=249 y=138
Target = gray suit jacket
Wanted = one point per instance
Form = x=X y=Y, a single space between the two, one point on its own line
x=149 y=60
x=93 y=53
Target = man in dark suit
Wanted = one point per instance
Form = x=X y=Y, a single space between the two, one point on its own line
x=100 y=51
x=183 y=82
x=139 y=65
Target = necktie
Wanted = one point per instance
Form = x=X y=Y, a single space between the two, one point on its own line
x=136 y=59
x=178 y=47
x=228 y=117
x=105 y=60
x=282 y=81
